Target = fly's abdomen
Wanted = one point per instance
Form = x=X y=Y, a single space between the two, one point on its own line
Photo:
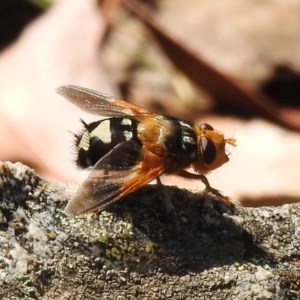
x=99 y=138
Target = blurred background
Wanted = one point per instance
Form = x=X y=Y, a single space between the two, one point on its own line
x=232 y=64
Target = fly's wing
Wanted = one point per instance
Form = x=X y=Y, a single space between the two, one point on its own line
x=98 y=103
x=117 y=174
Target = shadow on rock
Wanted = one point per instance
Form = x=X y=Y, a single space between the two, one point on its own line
x=197 y=234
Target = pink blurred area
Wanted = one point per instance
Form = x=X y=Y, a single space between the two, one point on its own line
x=60 y=47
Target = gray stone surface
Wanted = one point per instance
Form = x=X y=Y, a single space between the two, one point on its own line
x=135 y=250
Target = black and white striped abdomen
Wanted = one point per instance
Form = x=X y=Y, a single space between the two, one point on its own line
x=98 y=138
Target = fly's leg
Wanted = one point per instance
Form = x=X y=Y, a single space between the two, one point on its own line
x=208 y=188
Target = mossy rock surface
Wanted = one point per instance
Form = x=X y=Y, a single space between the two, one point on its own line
x=135 y=249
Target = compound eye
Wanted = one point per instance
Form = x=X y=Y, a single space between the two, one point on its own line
x=208 y=150
x=204 y=126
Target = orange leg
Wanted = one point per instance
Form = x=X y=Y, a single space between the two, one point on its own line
x=208 y=188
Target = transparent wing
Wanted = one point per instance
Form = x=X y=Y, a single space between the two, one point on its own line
x=116 y=175
x=98 y=103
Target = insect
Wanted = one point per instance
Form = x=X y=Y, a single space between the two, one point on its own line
x=133 y=146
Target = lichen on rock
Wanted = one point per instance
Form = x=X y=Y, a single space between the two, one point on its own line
x=135 y=249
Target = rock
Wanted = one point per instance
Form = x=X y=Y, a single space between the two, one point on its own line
x=135 y=250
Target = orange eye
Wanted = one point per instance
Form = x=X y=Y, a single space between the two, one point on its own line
x=208 y=150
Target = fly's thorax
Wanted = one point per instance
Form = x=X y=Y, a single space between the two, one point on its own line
x=211 y=149
x=169 y=137
x=99 y=138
